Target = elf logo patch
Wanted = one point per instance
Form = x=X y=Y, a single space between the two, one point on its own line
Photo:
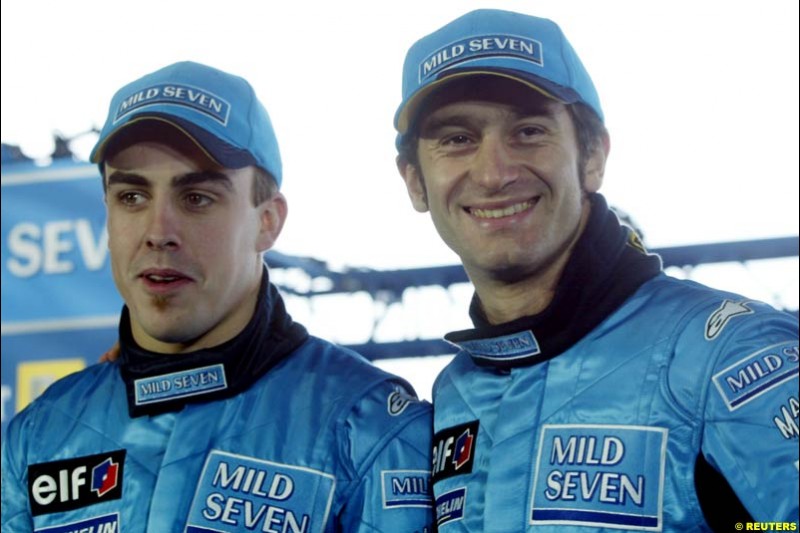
x=104 y=477
x=70 y=484
x=463 y=449
x=453 y=450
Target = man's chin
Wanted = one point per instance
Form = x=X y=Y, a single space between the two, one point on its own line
x=505 y=267
x=511 y=272
x=161 y=330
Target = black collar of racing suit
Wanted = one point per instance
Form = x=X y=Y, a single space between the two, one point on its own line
x=212 y=373
x=607 y=265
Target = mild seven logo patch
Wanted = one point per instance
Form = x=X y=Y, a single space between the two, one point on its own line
x=749 y=378
x=600 y=476
x=185 y=96
x=505 y=348
x=406 y=488
x=239 y=493
x=457 y=52
x=180 y=384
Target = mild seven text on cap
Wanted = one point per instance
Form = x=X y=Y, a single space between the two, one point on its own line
x=481 y=46
x=186 y=96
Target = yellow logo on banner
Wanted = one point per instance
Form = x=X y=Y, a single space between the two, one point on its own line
x=34 y=377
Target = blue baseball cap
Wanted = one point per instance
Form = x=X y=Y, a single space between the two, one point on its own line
x=220 y=112
x=530 y=50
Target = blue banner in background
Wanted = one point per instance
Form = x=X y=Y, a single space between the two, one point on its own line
x=59 y=304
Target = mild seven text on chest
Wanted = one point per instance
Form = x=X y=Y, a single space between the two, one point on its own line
x=255 y=481
x=585 y=451
x=592 y=484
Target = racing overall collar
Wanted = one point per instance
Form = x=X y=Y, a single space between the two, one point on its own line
x=607 y=265
x=158 y=383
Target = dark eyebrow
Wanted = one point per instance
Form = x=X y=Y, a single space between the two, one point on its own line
x=457 y=120
x=126 y=178
x=536 y=110
x=205 y=176
x=434 y=124
x=184 y=180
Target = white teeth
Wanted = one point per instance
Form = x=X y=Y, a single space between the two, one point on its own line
x=153 y=277
x=499 y=213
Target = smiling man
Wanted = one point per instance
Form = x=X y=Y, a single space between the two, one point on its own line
x=594 y=392
x=221 y=413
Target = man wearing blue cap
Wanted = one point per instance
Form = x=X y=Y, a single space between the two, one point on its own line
x=221 y=414
x=594 y=391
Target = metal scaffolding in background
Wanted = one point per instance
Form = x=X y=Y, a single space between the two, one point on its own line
x=388 y=286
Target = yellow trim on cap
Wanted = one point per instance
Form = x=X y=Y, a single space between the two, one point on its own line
x=414 y=102
x=101 y=149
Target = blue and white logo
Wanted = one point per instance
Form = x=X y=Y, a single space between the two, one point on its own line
x=720 y=317
x=406 y=488
x=494 y=45
x=505 y=348
x=241 y=493
x=749 y=378
x=600 y=476
x=397 y=402
x=191 y=382
x=173 y=94
x=99 y=524
x=450 y=506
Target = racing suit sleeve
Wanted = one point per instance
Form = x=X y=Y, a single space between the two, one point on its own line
x=750 y=432
x=16 y=517
x=386 y=444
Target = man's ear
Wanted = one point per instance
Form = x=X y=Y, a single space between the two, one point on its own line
x=414 y=183
x=595 y=167
x=272 y=214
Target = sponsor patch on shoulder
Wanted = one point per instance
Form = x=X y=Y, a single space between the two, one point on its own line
x=236 y=492
x=99 y=524
x=600 y=476
x=450 y=506
x=719 y=319
x=406 y=488
x=397 y=402
x=786 y=419
x=752 y=376
x=454 y=450
x=70 y=484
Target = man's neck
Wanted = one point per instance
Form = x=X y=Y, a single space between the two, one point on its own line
x=502 y=301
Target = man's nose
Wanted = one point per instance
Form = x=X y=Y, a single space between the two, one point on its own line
x=495 y=166
x=163 y=226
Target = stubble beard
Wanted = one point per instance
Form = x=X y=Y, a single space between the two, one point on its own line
x=160 y=302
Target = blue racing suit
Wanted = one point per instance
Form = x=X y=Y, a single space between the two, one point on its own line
x=274 y=431
x=621 y=406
